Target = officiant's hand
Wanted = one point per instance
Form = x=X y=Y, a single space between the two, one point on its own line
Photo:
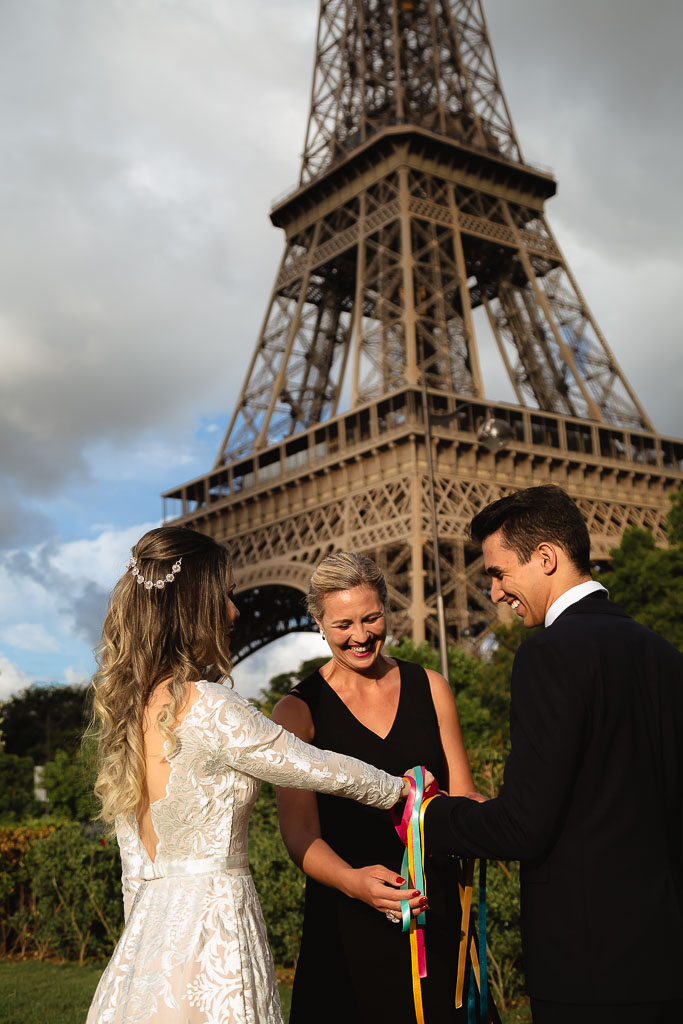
x=382 y=889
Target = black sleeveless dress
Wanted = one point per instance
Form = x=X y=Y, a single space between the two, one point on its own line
x=354 y=964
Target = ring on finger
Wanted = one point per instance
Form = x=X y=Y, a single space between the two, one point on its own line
x=393 y=917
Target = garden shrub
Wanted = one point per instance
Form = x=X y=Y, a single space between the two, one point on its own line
x=77 y=891
x=279 y=882
x=17 y=801
x=69 y=783
x=18 y=917
x=60 y=891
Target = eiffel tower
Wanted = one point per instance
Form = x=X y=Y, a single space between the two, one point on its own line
x=416 y=225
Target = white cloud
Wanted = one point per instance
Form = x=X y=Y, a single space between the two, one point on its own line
x=284 y=655
x=12 y=679
x=75 y=677
x=29 y=636
x=64 y=585
x=101 y=559
x=24 y=589
x=136 y=252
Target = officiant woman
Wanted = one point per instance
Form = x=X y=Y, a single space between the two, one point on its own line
x=354 y=964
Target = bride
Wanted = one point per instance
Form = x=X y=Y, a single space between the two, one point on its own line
x=179 y=764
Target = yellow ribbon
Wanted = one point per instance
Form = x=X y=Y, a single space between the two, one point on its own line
x=419 y=883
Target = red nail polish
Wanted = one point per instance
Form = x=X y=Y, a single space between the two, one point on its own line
x=416 y=893
x=399 y=880
x=424 y=902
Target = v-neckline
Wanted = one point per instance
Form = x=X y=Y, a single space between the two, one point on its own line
x=367 y=728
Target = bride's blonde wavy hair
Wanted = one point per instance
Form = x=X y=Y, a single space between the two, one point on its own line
x=150 y=635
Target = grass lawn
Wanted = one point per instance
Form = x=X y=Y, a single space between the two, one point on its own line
x=34 y=992
x=37 y=993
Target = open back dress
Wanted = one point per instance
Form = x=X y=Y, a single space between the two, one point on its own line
x=194 y=948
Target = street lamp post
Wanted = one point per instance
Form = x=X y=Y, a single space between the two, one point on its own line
x=494 y=434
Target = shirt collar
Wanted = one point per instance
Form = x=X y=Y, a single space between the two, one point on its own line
x=570 y=597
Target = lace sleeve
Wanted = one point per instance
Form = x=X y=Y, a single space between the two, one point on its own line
x=131 y=865
x=255 y=745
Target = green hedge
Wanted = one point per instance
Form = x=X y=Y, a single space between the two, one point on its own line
x=60 y=890
x=279 y=883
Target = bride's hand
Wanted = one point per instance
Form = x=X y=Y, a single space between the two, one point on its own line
x=381 y=888
x=430 y=783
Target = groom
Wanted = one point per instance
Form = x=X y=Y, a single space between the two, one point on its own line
x=592 y=800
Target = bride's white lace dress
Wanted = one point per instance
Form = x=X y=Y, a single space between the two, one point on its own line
x=194 y=948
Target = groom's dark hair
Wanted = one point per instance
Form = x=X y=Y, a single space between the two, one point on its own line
x=528 y=518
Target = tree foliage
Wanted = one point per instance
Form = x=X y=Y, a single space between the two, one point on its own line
x=42 y=719
x=16 y=788
x=69 y=782
x=647 y=581
x=280 y=685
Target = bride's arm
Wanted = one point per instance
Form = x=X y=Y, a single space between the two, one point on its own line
x=376 y=885
x=131 y=864
x=257 y=746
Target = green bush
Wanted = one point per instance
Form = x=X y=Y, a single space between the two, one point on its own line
x=77 y=892
x=279 y=882
x=503 y=937
x=16 y=891
x=60 y=890
x=16 y=789
x=69 y=783
x=646 y=580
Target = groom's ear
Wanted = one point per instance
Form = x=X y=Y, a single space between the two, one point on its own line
x=547 y=555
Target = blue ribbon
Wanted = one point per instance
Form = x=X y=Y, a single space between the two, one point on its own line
x=483 y=1015
x=483 y=973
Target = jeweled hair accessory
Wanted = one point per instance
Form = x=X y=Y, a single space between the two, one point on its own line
x=132 y=564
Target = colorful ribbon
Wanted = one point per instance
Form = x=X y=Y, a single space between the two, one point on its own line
x=478 y=973
x=410 y=828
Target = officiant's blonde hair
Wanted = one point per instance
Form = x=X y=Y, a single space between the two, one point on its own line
x=152 y=633
x=343 y=570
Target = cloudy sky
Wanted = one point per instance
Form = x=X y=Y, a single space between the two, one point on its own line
x=142 y=143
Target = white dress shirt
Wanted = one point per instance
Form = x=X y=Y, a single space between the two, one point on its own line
x=570 y=597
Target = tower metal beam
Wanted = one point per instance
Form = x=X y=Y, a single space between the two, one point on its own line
x=414 y=209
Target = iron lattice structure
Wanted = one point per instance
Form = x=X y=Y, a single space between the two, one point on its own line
x=415 y=224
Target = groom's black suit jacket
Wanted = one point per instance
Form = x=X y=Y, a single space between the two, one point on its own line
x=592 y=805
